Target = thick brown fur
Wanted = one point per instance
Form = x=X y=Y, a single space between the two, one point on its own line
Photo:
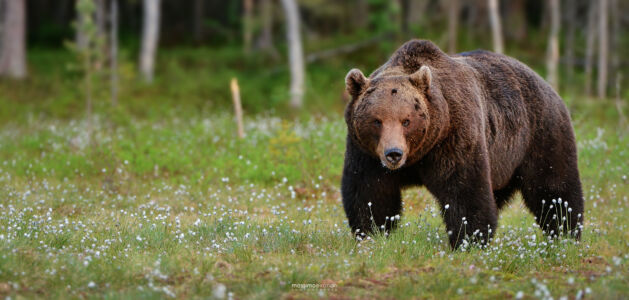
x=473 y=129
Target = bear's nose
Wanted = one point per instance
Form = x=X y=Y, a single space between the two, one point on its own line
x=393 y=155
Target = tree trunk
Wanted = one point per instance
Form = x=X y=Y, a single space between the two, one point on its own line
x=405 y=6
x=417 y=11
x=589 y=47
x=198 y=20
x=496 y=27
x=615 y=16
x=552 y=59
x=473 y=16
x=113 y=54
x=81 y=38
x=13 y=56
x=101 y=13
x=361 y=9
x=101 y=34
x=296 y=54
x=266 y=38
x=265 y=42
x=516 y=20
x=2 y=17
x=602 y=48
x=247 y=24
x=453 y=24
x=150 y=37
x=571 y=24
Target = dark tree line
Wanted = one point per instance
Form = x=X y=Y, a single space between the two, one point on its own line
x=584 y=34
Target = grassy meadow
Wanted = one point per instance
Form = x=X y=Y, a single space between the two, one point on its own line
x=163 y=201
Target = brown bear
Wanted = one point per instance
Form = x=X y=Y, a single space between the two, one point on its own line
x=472 y=128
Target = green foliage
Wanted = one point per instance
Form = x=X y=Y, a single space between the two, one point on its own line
x=197 y=79
x=89 y=52
x=91 y=45
x=384 y=16
x=179 y=206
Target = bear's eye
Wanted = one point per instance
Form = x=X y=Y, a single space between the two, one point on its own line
x=406 y=122
x=377 y=122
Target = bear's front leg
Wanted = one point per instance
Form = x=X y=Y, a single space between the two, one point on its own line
x=371 y=193
x=467 y=204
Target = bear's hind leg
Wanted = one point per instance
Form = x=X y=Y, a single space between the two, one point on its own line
x=552 y=192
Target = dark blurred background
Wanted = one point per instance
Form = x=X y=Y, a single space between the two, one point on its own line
x=151 y=58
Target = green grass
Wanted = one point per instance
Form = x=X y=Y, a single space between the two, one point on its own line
x=180 y=208
x=164 y=201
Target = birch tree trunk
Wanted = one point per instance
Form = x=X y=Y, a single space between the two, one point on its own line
x=571 y=24
x=2 y=17
x=296 y=55
x=266 y=38
x=615 y=15
x=265 y=42
x=101 y=33
x=453 y=24
x=150 y=37
x=603 y=49
x=13 y=52
x=101 y=12
x=516 y=20
x=361 y=9
x=81 y=37
x=247 y=24
x=496 y=26
x=417 y=11
x=552 y=58
x=589 y=46
x=113 y=54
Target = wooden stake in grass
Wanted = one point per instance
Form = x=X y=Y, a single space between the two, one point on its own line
x=237 y=107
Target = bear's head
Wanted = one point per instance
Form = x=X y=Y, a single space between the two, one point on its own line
x=388 y=116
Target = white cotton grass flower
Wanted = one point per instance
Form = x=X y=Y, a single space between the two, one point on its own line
x=219 y=291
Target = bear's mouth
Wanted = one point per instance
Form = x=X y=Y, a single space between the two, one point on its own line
x=391 y=166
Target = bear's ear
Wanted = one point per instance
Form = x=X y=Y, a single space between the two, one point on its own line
x=422 y=78
x=355 y=82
